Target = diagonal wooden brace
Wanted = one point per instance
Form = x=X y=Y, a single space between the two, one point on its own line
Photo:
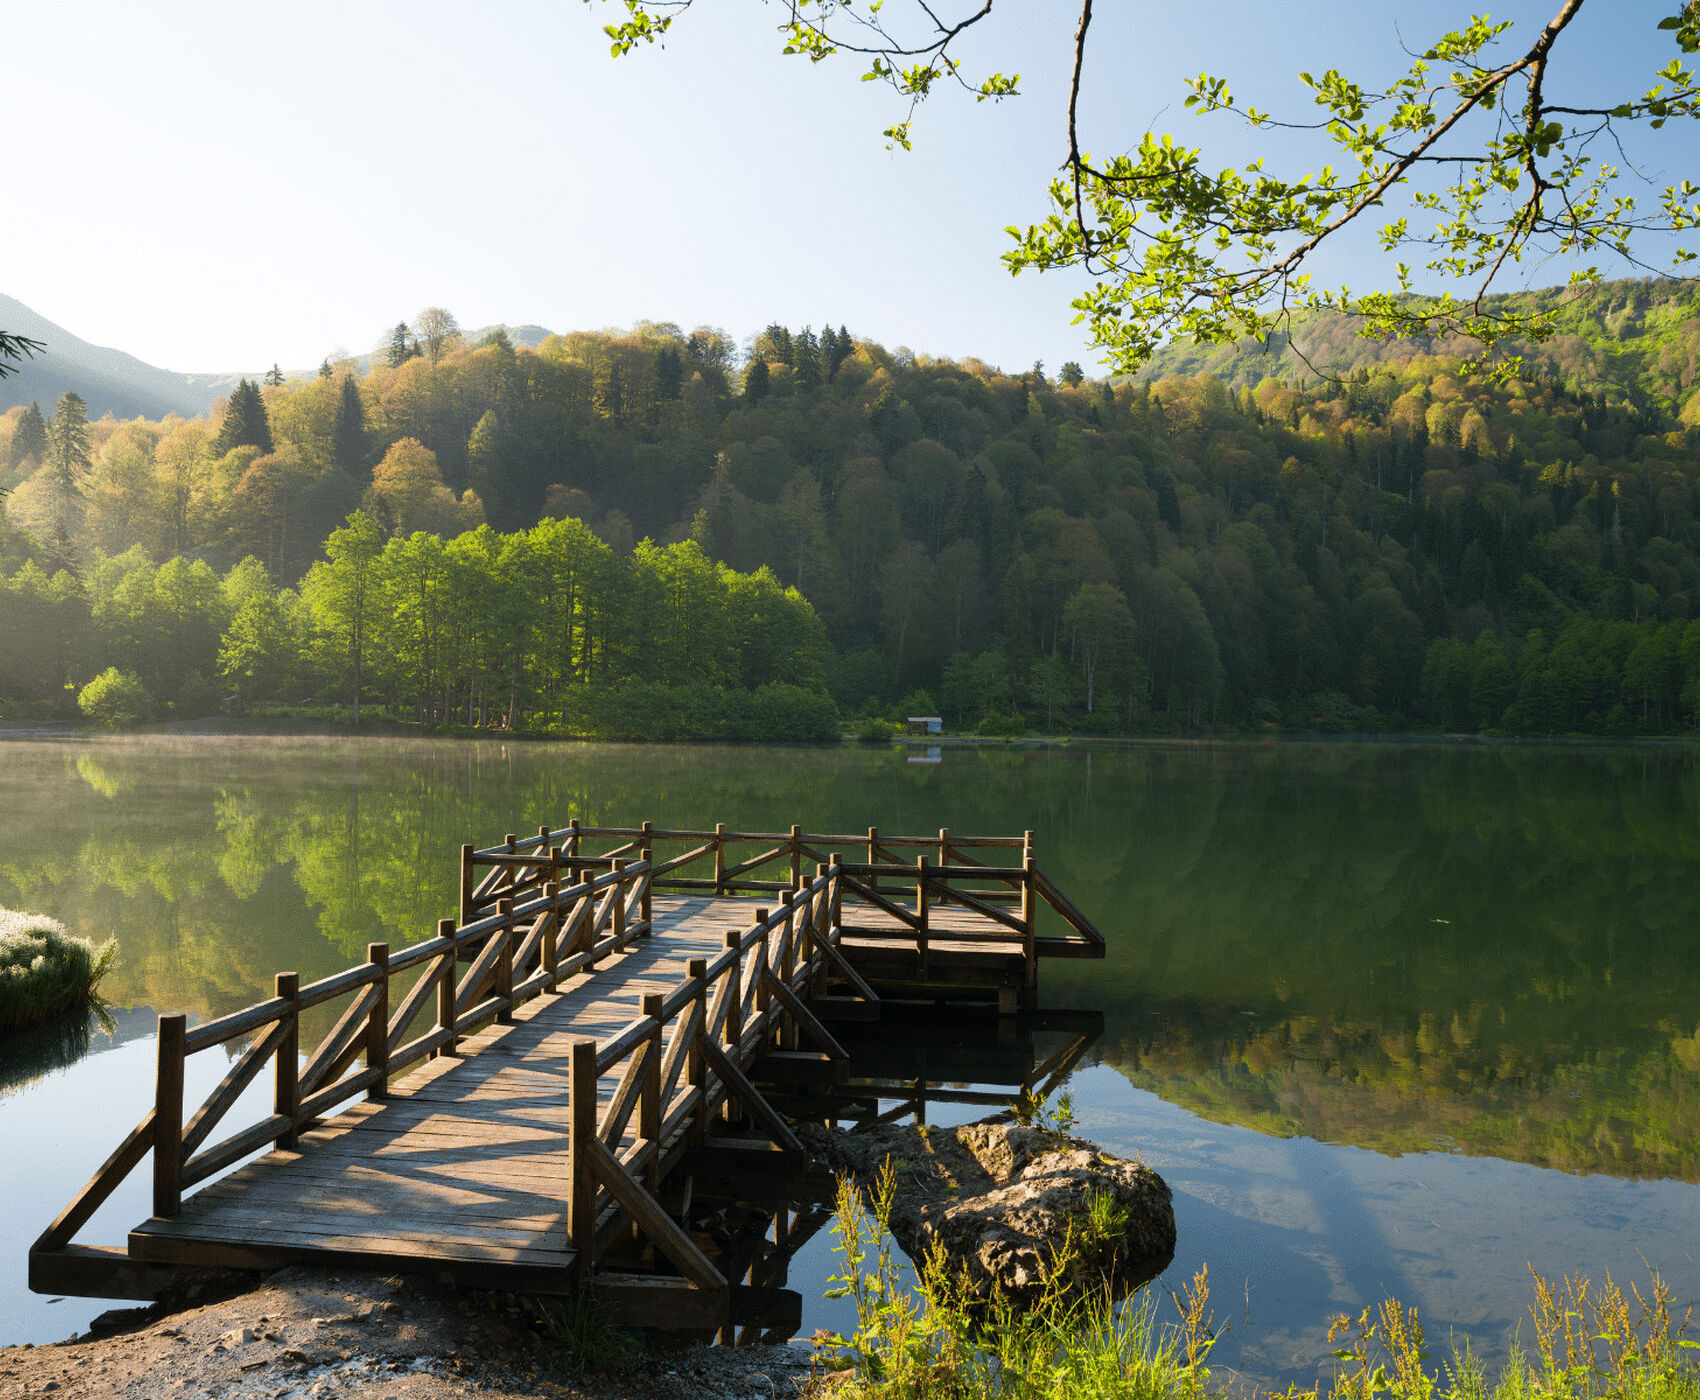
x=747 y=1094
x=803 y=1016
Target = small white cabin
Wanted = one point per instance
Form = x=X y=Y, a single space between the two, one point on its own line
x=926 y=724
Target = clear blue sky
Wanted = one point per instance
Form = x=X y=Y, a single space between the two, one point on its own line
x=215 y=186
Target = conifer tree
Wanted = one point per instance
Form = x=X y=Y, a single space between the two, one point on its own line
x=614 y=394
x=669 y=373
x=68 y=443
x=755 y=381
x=402 y=346
x=846 y=347
x=348 y=427
x=29 y=438
x=325 y=368
x=828 y=351
x=805 y=359
x=274 y=376
x=245 y=421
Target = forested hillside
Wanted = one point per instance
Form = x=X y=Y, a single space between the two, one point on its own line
x=1405 y=545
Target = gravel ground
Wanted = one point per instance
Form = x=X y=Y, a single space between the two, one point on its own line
x=309 y=1335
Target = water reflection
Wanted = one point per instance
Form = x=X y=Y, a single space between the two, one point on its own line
x=1456 y=954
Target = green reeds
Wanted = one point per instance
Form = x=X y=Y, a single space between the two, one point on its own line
x=45 y=971
x=931 y=1341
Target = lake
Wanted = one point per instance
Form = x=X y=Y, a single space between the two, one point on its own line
x=1400 y=1019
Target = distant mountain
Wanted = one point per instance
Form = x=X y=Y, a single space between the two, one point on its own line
x=1636 y=340
x=111 y=381
x=108 y=380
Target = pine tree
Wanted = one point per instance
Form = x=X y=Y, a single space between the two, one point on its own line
x=274 y=376
x=68 y=445
x=669 y=373
x=29 y=438
x=325 y=368
x=245 y=421
x=402 y=346
x=348 y=427
x=614 y=394
x=1072 y=375
x=805 y=359
x=828 y=350
x=846 y=347
x=755 y=381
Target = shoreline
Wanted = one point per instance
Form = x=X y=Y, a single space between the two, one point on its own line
x=215 y=727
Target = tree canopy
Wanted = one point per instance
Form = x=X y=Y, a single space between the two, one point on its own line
x=1477 y=134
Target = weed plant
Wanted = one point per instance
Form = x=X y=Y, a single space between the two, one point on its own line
x=44 y=970
x=583 y=1334
x=934 y=1341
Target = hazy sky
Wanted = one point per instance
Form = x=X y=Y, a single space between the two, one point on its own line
x=221 y=186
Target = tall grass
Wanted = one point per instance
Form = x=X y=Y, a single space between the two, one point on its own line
x=932 y=1341
x=44 y=970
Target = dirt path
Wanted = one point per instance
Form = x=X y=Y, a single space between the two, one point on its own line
x=308 y=1335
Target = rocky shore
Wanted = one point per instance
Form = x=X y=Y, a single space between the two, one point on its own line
x=304 y=1334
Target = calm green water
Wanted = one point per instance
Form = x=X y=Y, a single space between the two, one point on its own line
x=1389 y=1019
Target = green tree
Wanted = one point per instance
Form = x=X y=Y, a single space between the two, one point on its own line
x=755 y=380
x=115 y=699
x=401 y=347
x=273 y=377
x=1100 y=629
x=438 y=332
x=348 y=427
x=29 y=438
x=342 y=597
x=245 y=422
x=67 y=461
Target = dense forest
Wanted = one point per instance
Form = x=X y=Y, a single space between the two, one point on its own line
x=655 y=532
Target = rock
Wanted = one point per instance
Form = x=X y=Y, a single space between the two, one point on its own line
x=1000 y=1200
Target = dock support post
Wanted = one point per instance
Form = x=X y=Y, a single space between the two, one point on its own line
x=446 y=989
x=581 y=1128
x=378 y=1023
x=765 y=956
x=1029 y=919
x=286 y=1076
x=504 y=969
x=168 y=1116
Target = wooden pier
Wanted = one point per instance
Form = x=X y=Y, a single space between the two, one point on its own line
x=525 y=1099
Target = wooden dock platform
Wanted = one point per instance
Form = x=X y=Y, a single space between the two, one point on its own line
x=507 y=1101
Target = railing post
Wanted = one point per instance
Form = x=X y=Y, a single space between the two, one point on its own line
x=619 y=900
x=765 y=962
x=446 y=988
x=286 y=1079
x=1029 y=919
x=378 y=1023
x=551 y=952
x=921 y=911
x=648 y=848
x=734 y=1011
x=168 y=1115
x=503 y=972
x=466 y=884
x=719 y=859
x=649 y=1101
x=873 y=857
x=570 y=847
x=695 y=1064
x=944 y=845
x=581 y=1128
x=796 y=856
x=836 y=860
x=787 y=967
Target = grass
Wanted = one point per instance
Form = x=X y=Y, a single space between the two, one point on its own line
x=934 y=1342
x=45 y=971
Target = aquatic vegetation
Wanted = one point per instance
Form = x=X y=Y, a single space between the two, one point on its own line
x=927 y=1339
x=45 y=970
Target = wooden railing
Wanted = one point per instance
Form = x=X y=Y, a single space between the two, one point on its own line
x=954 y=869
x=526 y=947
x=682 y=1062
